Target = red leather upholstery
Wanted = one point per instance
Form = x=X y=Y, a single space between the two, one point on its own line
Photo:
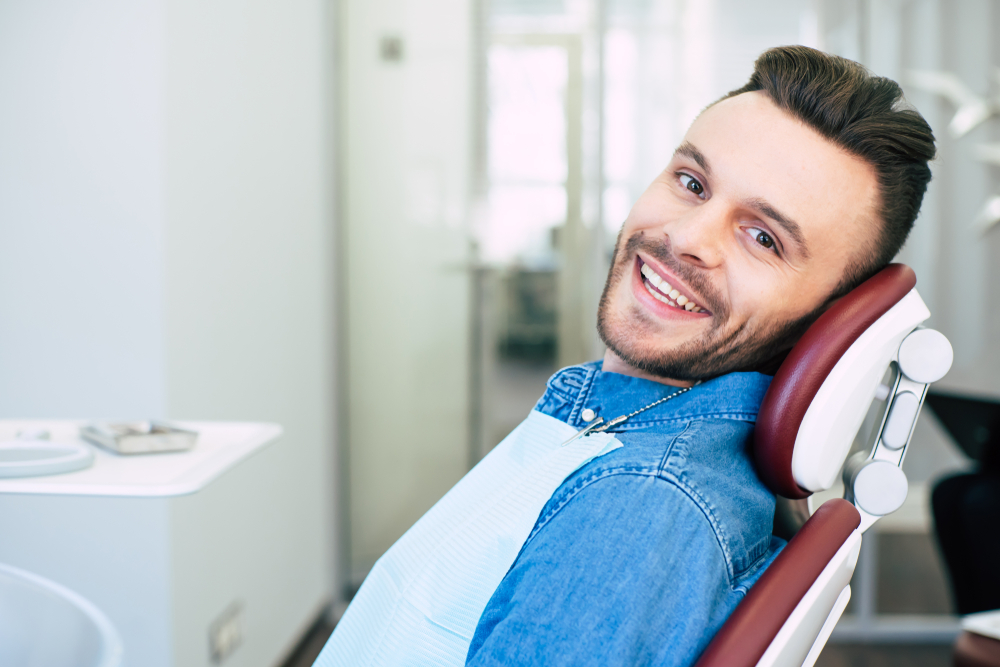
x=807 y=365
x=746 y=635
x=972 y=650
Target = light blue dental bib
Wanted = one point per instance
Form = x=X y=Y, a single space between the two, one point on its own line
x=421 y=602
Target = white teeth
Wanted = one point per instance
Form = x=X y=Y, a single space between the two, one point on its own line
x=651 y=275
x=662 y=290
x=656 y=294
x=654 y=277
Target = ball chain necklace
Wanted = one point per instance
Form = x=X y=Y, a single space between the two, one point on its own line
x=598 y=425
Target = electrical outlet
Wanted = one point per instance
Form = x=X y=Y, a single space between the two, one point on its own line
x=225 y=634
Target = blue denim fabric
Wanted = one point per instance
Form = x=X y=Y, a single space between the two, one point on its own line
x=640 y=555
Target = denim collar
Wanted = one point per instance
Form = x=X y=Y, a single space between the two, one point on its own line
x=731 y=396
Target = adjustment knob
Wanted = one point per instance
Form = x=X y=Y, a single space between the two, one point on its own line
x=925 y=356
x=880 y=488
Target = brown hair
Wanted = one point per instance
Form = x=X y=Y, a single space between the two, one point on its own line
x=867 y=116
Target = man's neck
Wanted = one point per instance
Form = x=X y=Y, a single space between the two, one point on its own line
x=614 y=364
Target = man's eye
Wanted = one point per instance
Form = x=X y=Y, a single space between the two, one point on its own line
x=691 y=184
x=764 y=239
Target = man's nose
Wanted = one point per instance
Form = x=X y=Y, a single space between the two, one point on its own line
x=699 y=237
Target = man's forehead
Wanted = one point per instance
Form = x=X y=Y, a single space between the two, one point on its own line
x=750 y=128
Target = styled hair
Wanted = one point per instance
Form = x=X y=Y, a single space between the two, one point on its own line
x=867 y=116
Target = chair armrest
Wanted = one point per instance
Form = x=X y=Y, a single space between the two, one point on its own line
x=747 y=634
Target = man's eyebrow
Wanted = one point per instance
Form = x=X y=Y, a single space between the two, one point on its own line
x=687 y=149
x=790 y=227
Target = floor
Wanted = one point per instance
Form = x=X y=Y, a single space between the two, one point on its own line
x=310 y=646
x=885 y=655
x=911 y=576
x=515 y=387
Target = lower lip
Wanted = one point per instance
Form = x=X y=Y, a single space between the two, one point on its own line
x=652 y=303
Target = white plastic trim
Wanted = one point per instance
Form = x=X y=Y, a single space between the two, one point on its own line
x=831 y=622
x=837 y=410
x=805 y=627
x=985 y=623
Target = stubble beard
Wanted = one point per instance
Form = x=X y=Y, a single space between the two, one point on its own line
x=723 y=348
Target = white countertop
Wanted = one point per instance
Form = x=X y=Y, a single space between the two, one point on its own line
x=220 y=446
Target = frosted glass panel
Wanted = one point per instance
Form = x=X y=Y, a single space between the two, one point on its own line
x=527 y=116
x=526 y=153
x=520 y=223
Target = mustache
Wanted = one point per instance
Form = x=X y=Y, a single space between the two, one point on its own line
x=696 y=279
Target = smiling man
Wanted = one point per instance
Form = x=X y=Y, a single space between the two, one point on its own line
x=633 y=545
x=716 y=274
x=783 y=196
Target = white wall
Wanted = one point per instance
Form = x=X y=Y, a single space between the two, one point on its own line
x=166 y=207
x=81 y=208
x=248 y=243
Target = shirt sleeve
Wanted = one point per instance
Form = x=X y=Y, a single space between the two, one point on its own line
x=627 y=571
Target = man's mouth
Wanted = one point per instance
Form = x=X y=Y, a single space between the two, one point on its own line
x=665 y=292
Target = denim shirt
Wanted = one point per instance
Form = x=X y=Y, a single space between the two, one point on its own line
x=641 y=554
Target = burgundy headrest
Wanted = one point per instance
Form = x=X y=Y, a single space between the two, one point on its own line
x=807 y=365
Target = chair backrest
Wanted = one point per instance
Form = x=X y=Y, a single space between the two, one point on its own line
x=807 y=422
x=821 y=392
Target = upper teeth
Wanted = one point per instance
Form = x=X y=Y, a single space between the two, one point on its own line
x=666 y=293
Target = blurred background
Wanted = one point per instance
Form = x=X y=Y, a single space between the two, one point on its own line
x=384 y=223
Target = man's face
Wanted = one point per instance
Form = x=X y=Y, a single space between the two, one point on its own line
x=736 y=246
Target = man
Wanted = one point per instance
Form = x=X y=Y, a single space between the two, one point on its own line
x=783 y=196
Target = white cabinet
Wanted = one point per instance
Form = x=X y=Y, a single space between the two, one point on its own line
x=184 y=552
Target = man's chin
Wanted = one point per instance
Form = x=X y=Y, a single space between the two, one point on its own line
x=701 y=355
x=652 y=354
x=657 y=367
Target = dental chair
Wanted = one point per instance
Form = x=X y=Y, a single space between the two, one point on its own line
x=855 y=382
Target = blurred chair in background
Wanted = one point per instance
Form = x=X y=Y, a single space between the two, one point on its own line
x=967 y=506
x=967 y=523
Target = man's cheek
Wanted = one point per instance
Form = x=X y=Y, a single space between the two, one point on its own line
x=756 y=296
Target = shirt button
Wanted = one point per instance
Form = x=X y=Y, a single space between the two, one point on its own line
x=588 y=415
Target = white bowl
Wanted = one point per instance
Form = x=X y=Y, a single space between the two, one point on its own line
x=43 y=624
